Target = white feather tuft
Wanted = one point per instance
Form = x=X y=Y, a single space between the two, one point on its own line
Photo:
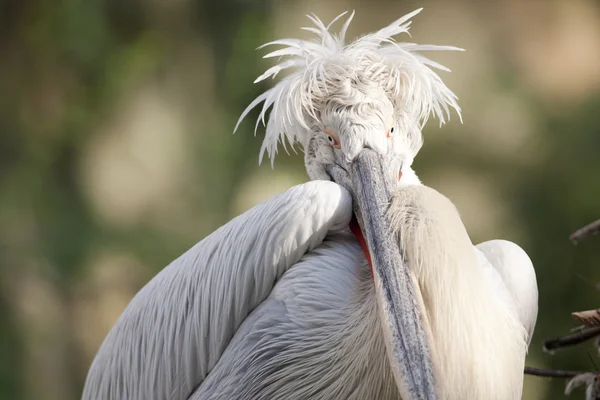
x=321 y=67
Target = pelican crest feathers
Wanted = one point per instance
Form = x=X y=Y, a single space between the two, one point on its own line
x=328 y=67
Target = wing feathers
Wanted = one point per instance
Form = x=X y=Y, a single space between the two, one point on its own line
x=176 y=328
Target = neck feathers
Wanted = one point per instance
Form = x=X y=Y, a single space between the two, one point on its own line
x=478 y=345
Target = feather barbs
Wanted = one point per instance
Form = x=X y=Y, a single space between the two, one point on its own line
x=322 y=68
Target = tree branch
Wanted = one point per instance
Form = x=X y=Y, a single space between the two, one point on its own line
x=588 y=318
x=571 y=340
x=585 y=232
x=555 y=373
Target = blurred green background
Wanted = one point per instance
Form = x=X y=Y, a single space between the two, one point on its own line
x=117 y=153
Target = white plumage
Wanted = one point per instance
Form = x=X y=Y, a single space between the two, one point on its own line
x=281 y=303
x=325 y=68
x=176 y=328
x=472 y=309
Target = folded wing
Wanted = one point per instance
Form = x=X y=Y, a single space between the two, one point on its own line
x=176 y=328
x=517 y=275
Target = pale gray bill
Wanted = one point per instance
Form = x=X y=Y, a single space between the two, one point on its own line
x=372 y=185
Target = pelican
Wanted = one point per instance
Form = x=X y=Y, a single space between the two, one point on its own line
x=362 y=283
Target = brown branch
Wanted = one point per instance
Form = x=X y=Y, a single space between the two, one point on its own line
x=579 y=328
x=571 y=340
x=585 y=232
x=554 y=373
x=588 y=318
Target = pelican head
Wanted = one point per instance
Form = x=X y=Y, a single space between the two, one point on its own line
x=357 y=111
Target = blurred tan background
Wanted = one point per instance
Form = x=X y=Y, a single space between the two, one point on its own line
x=117 y=153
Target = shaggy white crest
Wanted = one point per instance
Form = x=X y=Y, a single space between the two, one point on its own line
x=323 y=67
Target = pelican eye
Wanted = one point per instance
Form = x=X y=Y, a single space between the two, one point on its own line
x=332 y=139
x=389 y=132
